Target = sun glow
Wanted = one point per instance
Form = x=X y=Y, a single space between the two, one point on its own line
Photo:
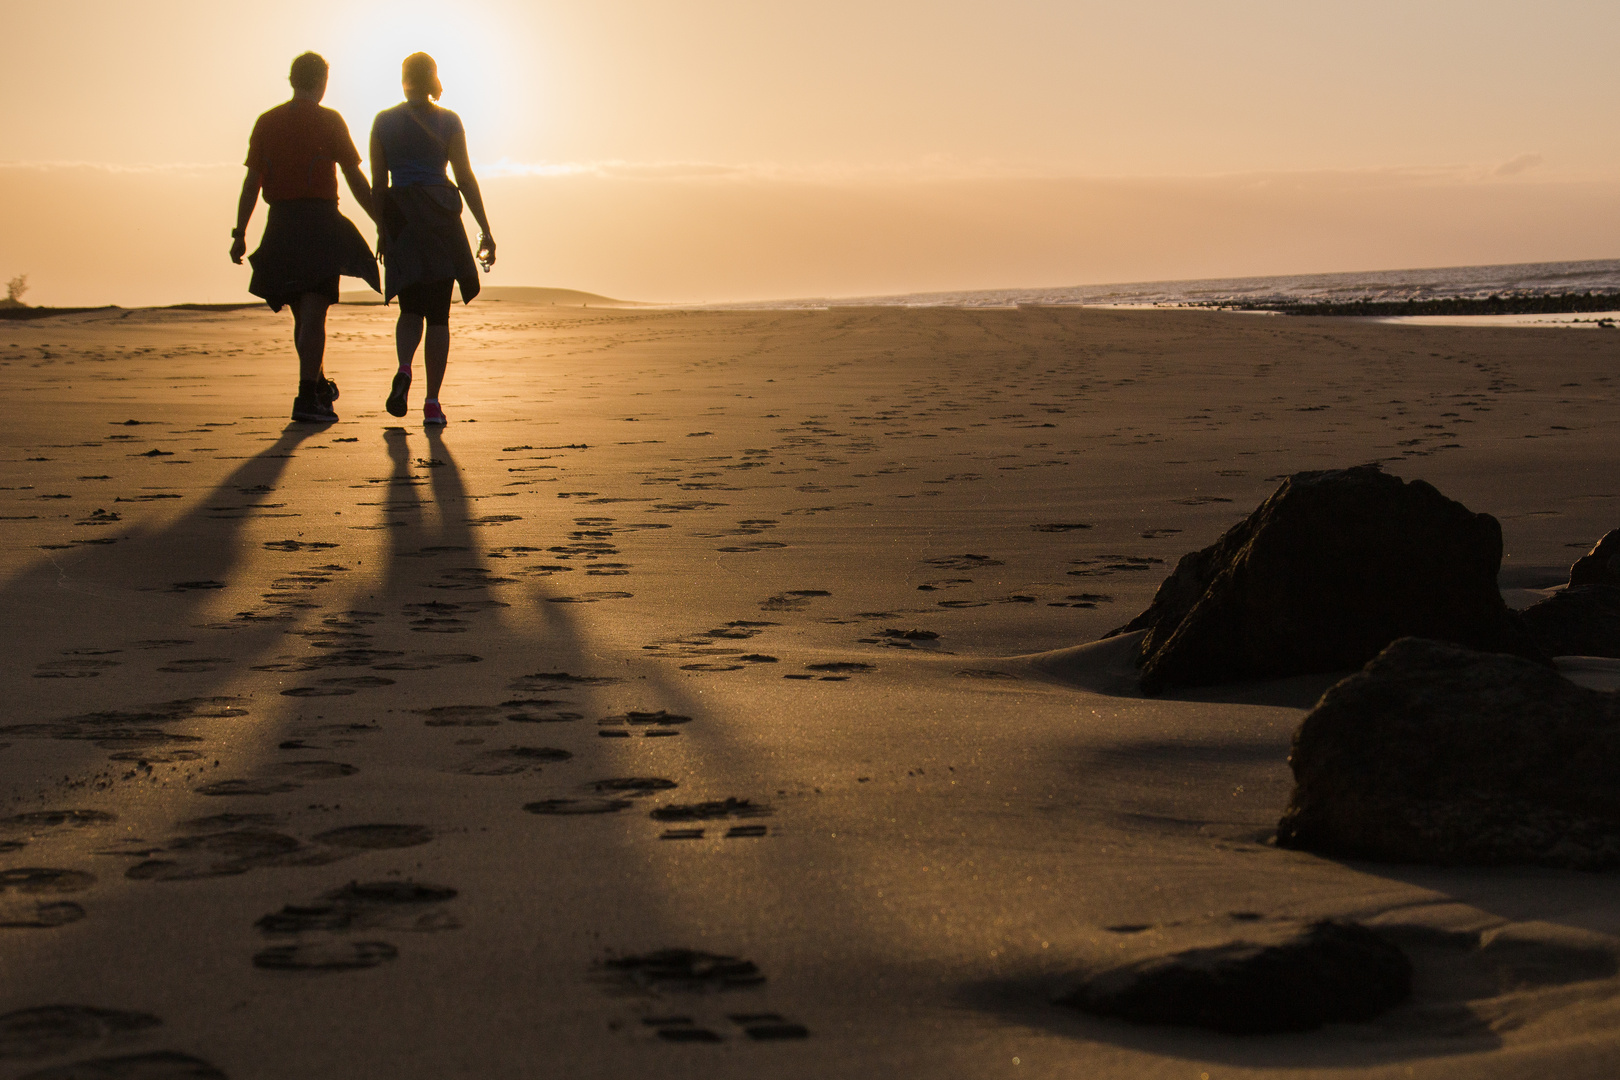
x=483 y=83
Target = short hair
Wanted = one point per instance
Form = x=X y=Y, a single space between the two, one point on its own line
x=421 y=72
x=308 y=72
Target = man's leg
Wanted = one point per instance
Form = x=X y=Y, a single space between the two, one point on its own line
x=309 y=334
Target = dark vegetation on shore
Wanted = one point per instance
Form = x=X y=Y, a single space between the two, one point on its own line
x=1563 y=303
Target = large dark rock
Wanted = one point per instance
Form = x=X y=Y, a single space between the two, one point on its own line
x=1598 y=566
x=1436 y=754
x=1326 y=572
x=1275 y=978
x=1583 y=619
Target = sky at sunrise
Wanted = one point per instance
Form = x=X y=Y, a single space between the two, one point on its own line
x=709 y=151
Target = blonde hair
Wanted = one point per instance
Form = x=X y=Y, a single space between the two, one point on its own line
x=421 y=72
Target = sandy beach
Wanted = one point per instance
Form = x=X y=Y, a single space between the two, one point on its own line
x=365 y=751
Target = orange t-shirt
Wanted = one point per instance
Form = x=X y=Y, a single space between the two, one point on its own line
x=296 y=147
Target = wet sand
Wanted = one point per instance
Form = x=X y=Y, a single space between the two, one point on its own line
x=504 y=680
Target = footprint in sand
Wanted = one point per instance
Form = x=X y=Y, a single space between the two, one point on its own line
x=792 y=600
x=1082 y=600
x=280 y=778
x=406 y=906
x=21 y=886
x=569 y=807
x=683 y=970
x=54 y=1030
x=325 y=956
x=157 y=1065
x=224 y=845
x=835 y=670
x=77 y=668
x=510 y=761
x=962 y=562
x=590 y=597
x=461 y=715
x=195 y=665
x=544 y=681
x=18 y=829
x=1103 y=565
x=654 y=724
x=539 y=711
x=376 y=837
x=760 y=1027
x=715 y=810
x=608 y=797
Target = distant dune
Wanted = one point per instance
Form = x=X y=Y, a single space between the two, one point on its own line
x=519 y=294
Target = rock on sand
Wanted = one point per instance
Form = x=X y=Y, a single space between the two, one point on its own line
x=1436 y=754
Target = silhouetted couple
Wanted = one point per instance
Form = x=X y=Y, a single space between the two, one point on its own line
x=293 y=157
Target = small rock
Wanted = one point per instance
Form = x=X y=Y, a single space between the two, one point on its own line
x=1272 y=977
x=1437 y=754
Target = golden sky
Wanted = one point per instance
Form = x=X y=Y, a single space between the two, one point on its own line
x=881 y=145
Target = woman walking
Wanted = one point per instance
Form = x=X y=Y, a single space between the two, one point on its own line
x=424 y=247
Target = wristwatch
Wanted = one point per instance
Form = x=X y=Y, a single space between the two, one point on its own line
x=236 y=234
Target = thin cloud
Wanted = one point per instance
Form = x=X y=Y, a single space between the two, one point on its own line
x=1522 y=163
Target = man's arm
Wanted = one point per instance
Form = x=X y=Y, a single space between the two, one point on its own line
x=251 y=184
x=468 y=183
x=360 y=189
x=379 y=187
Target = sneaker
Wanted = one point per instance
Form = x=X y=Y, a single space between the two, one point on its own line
x=308 y=411
x=432 y=414
x=329 y=390
x=396 y=397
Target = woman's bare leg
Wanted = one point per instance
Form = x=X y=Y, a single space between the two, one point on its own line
x=436 y=353
x=407 y=335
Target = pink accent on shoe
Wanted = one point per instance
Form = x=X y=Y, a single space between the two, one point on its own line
x=432 y=414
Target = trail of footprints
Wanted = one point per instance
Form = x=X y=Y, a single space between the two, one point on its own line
x=346 y=927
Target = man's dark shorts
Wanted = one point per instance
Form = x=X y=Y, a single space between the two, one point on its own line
x=306 y=245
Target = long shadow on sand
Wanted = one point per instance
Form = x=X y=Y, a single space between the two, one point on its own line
x=171 y=576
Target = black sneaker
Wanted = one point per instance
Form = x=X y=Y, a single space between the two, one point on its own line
x=396 y=397
x=329 y=390
x=312 y=411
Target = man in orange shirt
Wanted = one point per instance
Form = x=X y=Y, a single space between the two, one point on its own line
x=293 y=157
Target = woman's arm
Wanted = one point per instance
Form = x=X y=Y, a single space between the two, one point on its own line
x=468 y=183
x=251 y=183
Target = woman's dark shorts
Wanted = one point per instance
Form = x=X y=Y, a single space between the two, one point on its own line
x=429 y=299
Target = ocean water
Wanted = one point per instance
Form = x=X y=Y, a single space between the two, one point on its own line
x=1524 y=279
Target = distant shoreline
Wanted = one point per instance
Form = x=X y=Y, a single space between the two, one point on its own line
x=1560 y=304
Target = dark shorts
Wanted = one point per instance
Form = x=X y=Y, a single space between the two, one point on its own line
x=429 y=299
x=327 y=290
x=306 y=245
